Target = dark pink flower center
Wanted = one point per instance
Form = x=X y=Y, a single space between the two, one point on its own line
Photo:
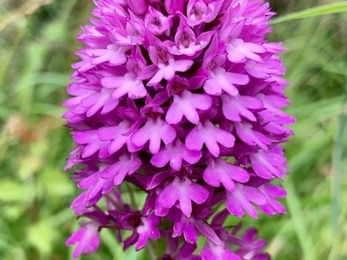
x=185 y=39
x=163 y=56
x=198 y=11
x=177 y=87
x=167 y=257
x=212 y=65
x=134 y=220
x=153 y=113
x=137 y=69
x=156 y=22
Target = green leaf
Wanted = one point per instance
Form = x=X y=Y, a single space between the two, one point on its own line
x=12 y=191
x=41 y=236
x=13 y=212
x=56 y=183
x=32 y=161
x=338 y=7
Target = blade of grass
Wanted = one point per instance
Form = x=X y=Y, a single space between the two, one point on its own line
x=5 y=61
x=332 y=8
x=16 y=251
x=337 y=166
x=26 y=9
x=35 y=56
x=299 y=222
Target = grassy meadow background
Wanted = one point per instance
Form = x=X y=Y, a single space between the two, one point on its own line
x=37 y=42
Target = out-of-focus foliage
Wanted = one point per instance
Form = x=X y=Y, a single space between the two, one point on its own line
x=37 y=40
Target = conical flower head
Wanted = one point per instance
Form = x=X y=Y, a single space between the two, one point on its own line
x=183 y=100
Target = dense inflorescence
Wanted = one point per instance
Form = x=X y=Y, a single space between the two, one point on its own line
x=179 y=101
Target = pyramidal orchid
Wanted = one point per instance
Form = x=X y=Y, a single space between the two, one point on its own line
x=180 y=101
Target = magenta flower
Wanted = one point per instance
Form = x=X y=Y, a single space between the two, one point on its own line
x=183 y=100
x=184 y=192
x=87 y=238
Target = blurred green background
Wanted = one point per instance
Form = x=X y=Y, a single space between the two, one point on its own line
x=37 y=42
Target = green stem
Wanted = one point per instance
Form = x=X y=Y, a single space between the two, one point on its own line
x=131 y=196
x=151 y=250
x=299 y=222
x=331 y=8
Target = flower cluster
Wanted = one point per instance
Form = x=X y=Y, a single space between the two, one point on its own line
x=179 y=101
